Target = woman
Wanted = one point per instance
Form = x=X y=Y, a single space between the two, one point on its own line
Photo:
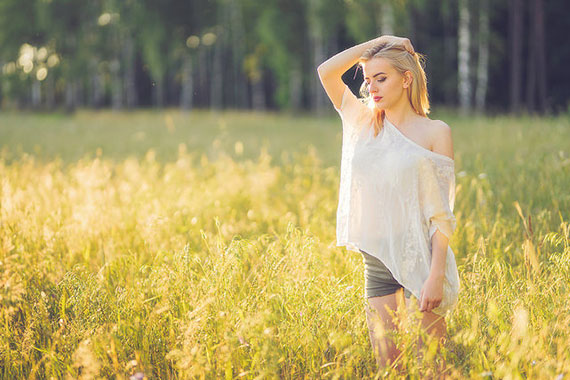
x=397 y=186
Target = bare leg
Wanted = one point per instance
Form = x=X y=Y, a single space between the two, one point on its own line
x=381 y=324
x=436 y=328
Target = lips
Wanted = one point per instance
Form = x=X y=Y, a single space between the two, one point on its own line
x=377 y=98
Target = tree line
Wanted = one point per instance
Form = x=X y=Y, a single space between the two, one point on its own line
x=483 y=55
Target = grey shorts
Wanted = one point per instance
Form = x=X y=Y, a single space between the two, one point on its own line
x=378 y=281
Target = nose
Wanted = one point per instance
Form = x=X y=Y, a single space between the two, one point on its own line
x=372 y=89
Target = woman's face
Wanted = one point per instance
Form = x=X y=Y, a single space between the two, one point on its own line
x=385 y=84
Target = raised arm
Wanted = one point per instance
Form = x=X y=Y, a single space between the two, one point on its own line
x=331 y=71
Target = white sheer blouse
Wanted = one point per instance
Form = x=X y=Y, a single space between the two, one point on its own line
x=393 y=195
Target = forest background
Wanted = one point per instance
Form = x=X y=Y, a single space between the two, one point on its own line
x=492 y=56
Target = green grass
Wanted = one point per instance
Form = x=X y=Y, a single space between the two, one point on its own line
x=151 y=242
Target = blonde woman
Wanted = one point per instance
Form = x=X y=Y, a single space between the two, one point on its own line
x=397 y=186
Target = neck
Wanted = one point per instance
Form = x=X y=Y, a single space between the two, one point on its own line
x=402 y=112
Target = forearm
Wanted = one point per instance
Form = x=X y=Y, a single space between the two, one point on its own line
x=341 y=62
x=439 y=243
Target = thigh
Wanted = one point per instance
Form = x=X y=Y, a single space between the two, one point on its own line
x=378 y=280
x=379 y=309
x=382 y=308
x=432 y=322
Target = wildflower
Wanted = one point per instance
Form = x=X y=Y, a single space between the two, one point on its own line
x=138 y=376
x=243 y=341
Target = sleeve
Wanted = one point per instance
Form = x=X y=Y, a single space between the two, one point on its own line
x=352 y=109
x=437 y=196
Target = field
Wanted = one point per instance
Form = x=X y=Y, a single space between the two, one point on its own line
x=202 y=245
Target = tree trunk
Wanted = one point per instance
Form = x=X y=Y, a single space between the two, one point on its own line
x=483 y=60
x=70 y=96
x=129 y=75
x=238 y=42
x=541 y=56
x=515 y=38
x=187 y=83
x=449 y=53
x=531 y=59
x=36 y=93
x=158 y=91
x=258 y=102
x=50 y=92
x=116 y=85
x=216 y=77
x=296 y=87
x=318 y=96
x=202 y=74
x=536 y=75
x=386 y=18
x=79 y=93
x=464 y=83
x=97 y=85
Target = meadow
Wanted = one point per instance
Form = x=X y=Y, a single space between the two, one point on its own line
x=201 y=245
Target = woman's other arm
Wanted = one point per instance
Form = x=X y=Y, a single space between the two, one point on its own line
x=331 y=71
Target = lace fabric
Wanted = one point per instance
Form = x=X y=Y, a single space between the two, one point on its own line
x=394 y=194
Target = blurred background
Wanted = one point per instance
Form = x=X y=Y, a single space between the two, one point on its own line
x=482 y=55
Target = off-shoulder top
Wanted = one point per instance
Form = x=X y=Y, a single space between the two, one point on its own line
x=393 y=195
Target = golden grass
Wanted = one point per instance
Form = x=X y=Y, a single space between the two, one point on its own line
x=217 y=260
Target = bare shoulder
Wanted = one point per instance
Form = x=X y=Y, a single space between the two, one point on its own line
x=439 y=127
x=441 y=140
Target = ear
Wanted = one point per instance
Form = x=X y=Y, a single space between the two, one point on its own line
x=408 y=78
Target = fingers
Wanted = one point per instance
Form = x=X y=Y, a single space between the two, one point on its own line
x=405 y=42
x=408 y=46
x=423 y=302
x=428 y=305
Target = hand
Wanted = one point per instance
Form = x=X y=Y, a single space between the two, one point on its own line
x=398 y=41
x=432 y=293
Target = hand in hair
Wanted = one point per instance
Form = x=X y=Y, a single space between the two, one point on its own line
x=405 y=42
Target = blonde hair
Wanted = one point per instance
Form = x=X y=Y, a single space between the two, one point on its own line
x=402 y=61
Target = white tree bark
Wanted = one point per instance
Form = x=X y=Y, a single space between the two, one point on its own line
x=318 y=95
x=386 y=18
x=464 y=34
x=238 y=42
x=483 y=60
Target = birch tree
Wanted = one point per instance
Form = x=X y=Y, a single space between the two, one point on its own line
x=483 y=56
x=515 y=56
x=536 y=73
x=464 y=56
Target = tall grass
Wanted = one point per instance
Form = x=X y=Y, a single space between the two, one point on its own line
x=192 y=253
